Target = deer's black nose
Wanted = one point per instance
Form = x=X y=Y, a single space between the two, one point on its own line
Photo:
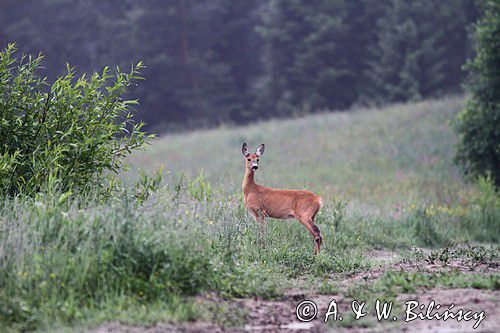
x=255 y=167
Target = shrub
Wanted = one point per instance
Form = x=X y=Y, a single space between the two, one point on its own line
x=425 y=228
x=67 y=134
x=482 y=219
x=479 y=123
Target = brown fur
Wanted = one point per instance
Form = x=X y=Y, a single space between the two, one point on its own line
x=264 y=202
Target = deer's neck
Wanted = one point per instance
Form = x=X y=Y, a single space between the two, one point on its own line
x=248 y=181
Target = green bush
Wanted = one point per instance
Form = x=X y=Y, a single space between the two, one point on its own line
x=482 y=220
x=479 y=123
x=67 y=134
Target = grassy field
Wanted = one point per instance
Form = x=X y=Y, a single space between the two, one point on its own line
x=398 y=221
x=397 y=155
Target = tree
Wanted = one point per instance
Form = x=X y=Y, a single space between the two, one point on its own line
x=232 y=61
x=419 y=50
x=479 y=123
x=316 y=52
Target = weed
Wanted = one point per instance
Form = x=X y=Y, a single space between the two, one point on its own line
x=328 y=288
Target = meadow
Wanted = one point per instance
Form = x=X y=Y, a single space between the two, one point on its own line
x=383 y=157
x=398 y=217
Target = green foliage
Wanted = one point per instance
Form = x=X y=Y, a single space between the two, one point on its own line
x=200 y=188
x=479 y=123
x=425 y=228
x=139 y=257
x=471 y=256
x=479 y=220
x=204 y=70
x=328 y=288
x=147 y=185
x=393 y=283
x=68 y=134
x=59 y=263
x=483 y=219
x=71 y=260
x=414 y=54
x=312 y=46
x=333 y=54
x=379 y=157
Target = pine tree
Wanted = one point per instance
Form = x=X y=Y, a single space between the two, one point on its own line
x=420 y=46
x=316 y=52
x=222 y=60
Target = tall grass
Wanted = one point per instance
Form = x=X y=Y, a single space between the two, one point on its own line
x=60 y=262
x=380 y=157
x=79 y=261
x=141 y=255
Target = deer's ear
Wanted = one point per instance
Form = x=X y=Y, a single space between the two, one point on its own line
x=260 y=150
x=245 y=150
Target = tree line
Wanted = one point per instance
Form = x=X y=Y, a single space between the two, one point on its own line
x=210 y=62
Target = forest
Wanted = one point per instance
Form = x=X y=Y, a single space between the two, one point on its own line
x=224 y=61
x=223 y=166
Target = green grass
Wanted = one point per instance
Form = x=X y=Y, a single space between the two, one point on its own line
x=79 y=262
x=393 y=283
x=385 y=157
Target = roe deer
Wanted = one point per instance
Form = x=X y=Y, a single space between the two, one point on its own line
x=264 y=202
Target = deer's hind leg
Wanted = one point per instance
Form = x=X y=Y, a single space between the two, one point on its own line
x=308 y=222
x=317 y=239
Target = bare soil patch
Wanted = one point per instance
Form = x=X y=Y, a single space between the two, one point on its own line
x=280 y=315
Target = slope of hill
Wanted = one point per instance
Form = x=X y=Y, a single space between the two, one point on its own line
x=166 y=262
x=380 y=156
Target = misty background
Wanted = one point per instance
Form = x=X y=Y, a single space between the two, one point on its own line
x=224 y=61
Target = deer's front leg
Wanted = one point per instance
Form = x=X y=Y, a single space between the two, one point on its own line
x=259 y=218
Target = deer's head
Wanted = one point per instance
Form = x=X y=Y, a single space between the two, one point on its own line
x=252 y=160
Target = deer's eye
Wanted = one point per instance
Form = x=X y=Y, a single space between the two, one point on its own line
x=248 y=160
x=257 y=160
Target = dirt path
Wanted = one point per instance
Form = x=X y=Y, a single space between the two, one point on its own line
x=272 y=317
x=280 y=315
